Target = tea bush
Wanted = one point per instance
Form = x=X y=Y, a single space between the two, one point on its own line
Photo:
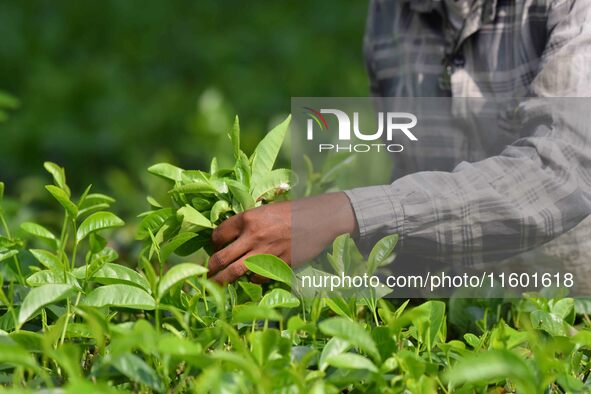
x=75 y=318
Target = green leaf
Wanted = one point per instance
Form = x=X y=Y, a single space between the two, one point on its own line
x=382 y=253
x=137 y=370
x=77 y=386
x=193 y=219
x=110 y=274
x=40 y=297
x=248 y=312
x=218 y=209
x=563 y=307
x=62 y=197
x=242 y=170
x=1 y=190
x=152 y=222
x=153 y=202
x=14 y=355
x=264 y=345
x=48 y=260
x=352 y=332
x=179 y=347
x=344 y=254
x=37 y=230
x=121 y=296
x=94 y=202
x=492 y=366
x=175 y=243
x=6 y=254
x=96 y=222
x=179 y=273
x=276 y=182
x=266 y=152
x=430 y=320
x=339 y=306
x=333 y=346
x=549 y=322
x=254 y=291
x=351 y=361
x=167 y=171
x=197 y=187
x=241 y=195
x=271 y=267
x=279 y=298
x=235 y=137
x=59 y=176
x=45 y=277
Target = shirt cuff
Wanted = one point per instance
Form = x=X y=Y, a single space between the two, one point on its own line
x=377 y=211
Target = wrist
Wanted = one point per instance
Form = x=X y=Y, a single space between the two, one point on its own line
x=338 y=207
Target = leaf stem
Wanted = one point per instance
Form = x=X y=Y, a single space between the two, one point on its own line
x=15 y=259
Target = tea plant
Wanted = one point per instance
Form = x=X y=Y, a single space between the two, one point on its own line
x=75 y=318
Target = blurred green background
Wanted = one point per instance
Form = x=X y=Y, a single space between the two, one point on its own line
x=108 y=88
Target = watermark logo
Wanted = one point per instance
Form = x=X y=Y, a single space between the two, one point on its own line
x=390 y=125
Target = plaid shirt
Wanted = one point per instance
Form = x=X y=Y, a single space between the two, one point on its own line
x=494 y=206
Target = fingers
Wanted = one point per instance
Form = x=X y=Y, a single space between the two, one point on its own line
x=233 y=271
x=258 y=279
x=219 y=260
x=227 y=232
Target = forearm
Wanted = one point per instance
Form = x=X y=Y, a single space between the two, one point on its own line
x=483 y=211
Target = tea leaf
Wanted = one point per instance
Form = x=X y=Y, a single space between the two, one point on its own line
x=111 y=273
x=382 y=253
x=253 y=291
x=14 y=355
x=249 y=312
x=242 y=170
x=277 y=181
x=59 y=176
x=267 y=150
x=137 y=370
x=491 y=366
x=351 y=361
x=41 y=296
x=153 y=221
x=430 y=320
x=167 y=171
x=549 y=322
x=350 y=331
x=242 y=196
x=6 y=254
x=96 y=222
x=193 y=218
x=235 y=137
x=176 y=242
x=271 y=267
x=94 y=199
x=179 y=347
x=339 y=306
x=279 y=298
x=45 y=277
x=48 y=260
x=177 y=274
x=64 y=199
x=122 y=296
x=218 y=209
x=333 y=346
x=37 y=230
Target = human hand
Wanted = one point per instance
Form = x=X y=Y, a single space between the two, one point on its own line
x=310 y=224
